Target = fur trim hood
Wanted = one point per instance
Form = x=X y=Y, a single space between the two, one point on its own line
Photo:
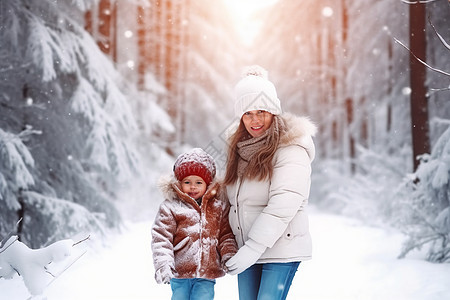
x=299 y=131
x=170 y=188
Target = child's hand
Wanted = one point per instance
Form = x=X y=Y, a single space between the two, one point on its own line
x=163 y=275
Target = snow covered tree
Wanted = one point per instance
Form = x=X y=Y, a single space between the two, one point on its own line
x=56 y=81
x=425 y=209
x=15 y=176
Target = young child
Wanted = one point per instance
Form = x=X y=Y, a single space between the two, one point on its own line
x=191 y=236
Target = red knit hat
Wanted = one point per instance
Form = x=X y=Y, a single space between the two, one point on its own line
x=195 y=162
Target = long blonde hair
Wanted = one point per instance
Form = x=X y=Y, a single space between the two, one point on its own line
x=260 y=165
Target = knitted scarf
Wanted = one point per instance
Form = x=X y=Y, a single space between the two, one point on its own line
x=247 y=149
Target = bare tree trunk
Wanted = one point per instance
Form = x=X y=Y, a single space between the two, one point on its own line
x=101 y=23
x=143 y=47
x=349 y=102
x=419 y=103
x=104 y=26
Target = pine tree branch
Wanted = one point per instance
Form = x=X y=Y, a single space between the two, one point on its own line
x=416 y=245
x=15 y=68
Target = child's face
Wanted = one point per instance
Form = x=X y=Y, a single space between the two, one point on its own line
x=194 y=186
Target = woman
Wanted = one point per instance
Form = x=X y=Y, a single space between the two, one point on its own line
x=267 y=181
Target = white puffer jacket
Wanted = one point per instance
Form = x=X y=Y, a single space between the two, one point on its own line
x=274 y=213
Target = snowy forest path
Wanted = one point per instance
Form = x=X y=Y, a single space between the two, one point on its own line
x=355 y=261
x=350 y=261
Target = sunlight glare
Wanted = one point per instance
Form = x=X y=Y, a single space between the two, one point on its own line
x=327 y=11
x=406 y=91
x=128 y=33
x=243 y=12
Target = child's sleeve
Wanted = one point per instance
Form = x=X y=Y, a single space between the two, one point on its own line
x=163 y=231
x=227 y=243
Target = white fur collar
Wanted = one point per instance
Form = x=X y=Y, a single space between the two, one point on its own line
x=299 y=131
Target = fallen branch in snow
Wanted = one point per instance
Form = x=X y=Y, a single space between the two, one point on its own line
x=9 y=234
x=12 y=242
x=33 y=264
x=62 y=271
x=81 y=241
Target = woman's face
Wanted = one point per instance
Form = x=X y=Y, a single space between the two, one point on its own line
x=257 y=122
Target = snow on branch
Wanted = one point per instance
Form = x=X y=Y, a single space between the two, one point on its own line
x=421 y=61
x=438 y=120
x=37 y=267
x=446 y=45
x=7 y=244
x=83 y=5
x=439 y=90
x=9 y=234
x=417 y=58
x=16 y=162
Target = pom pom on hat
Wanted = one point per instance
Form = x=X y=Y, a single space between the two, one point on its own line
x=255 y=70
x=255 y=92
x=195 y=162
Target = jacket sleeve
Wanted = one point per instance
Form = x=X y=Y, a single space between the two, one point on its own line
x=227 y=243
x=289 y=192
x=163 y=232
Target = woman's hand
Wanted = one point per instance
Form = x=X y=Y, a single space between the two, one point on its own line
x=246 y=256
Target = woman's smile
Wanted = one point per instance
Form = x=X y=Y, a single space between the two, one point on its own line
x=257 y=122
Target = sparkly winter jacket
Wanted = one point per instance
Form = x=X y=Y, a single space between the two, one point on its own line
x=273 y=212
x=188 y=240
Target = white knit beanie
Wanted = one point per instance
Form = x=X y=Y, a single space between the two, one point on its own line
x=255 y=92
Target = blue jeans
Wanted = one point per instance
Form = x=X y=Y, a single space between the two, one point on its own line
x=270 y=281
x=192 y=288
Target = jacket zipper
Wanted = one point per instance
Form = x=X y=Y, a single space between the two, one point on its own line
x=200 y=253
x=238 y=210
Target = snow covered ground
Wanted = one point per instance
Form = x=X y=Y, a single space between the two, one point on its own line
x=350 y=262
